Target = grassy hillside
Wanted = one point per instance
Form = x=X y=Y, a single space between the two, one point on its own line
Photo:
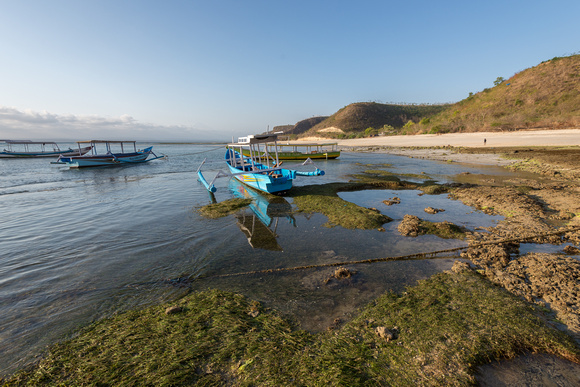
x=544 y=96
x=300 y=127
x=372 y=118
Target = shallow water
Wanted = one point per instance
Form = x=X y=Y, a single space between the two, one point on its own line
x=79 y=245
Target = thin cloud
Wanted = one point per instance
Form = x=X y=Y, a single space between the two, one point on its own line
x=28 y=124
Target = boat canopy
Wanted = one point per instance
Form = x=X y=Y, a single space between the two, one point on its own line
x=108 y=143
x=28 y=142
x=257 y=139
x=104 y=141
x=25 y=143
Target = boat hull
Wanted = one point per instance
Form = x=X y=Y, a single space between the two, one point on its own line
x=67 y=153
x=107 y=160
x=301 y=155
x=274 y=184
x=272 y=181
x=305 y=156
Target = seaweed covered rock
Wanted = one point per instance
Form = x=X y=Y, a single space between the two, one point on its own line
x=225 y=208
x=386 y=333
x=413 y=226
x=391 y=201
x=495 y=255
x=459 y=266
x=173 y=310
x=409 y=226
x=547 y=279
x=431 y=210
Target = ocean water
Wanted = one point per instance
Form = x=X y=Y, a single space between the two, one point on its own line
x=80 y=245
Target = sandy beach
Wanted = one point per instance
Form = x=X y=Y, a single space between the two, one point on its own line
x=555 y=137
x=404 y=145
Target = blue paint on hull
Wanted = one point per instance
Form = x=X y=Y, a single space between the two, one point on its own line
x=264 y=182
x=107 y=159
x=272 y=181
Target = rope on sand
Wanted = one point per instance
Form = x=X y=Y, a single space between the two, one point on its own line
x=416 y=256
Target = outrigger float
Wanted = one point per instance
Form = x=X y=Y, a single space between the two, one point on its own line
x=260 y=169
x=33 y=149
x=109 y=158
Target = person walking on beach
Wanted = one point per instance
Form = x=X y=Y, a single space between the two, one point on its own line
x=484 y=141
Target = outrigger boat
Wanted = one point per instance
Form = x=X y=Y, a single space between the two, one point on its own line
x=109 y=158
x=303 y=150
x=27 y=148
x=261 y=169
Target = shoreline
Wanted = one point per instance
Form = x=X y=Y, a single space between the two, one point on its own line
x=556 y=137
x=432 y=144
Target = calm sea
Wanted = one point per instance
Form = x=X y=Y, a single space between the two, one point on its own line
x=80 y=245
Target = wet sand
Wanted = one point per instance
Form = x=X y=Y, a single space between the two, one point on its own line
x=448 y=155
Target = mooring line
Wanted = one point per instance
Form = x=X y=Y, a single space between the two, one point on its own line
x=408 y=257
x=197 y=153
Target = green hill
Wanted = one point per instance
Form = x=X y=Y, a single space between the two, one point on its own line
x=544 y=96
x=300 y=127
x=358 y=117
x=367 y=118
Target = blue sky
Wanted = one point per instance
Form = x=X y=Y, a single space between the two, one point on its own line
x=198 y=70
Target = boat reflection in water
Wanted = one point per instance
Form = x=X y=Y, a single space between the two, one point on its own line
x=261 y=224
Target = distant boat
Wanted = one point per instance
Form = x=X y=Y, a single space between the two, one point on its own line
x=109 y=157
x=260 y=170
x=29 y=149
x=303 y=150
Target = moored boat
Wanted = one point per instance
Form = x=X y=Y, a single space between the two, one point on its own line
x=33 y=149
x=110 y=157
x=303 y=150
x=260 y=169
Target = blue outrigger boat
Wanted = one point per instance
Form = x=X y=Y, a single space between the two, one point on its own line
x=110 y=157
x=33 y=149
x=261 y=169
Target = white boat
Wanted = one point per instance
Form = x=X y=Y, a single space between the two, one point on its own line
x=128 y=154
x=29 y=149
